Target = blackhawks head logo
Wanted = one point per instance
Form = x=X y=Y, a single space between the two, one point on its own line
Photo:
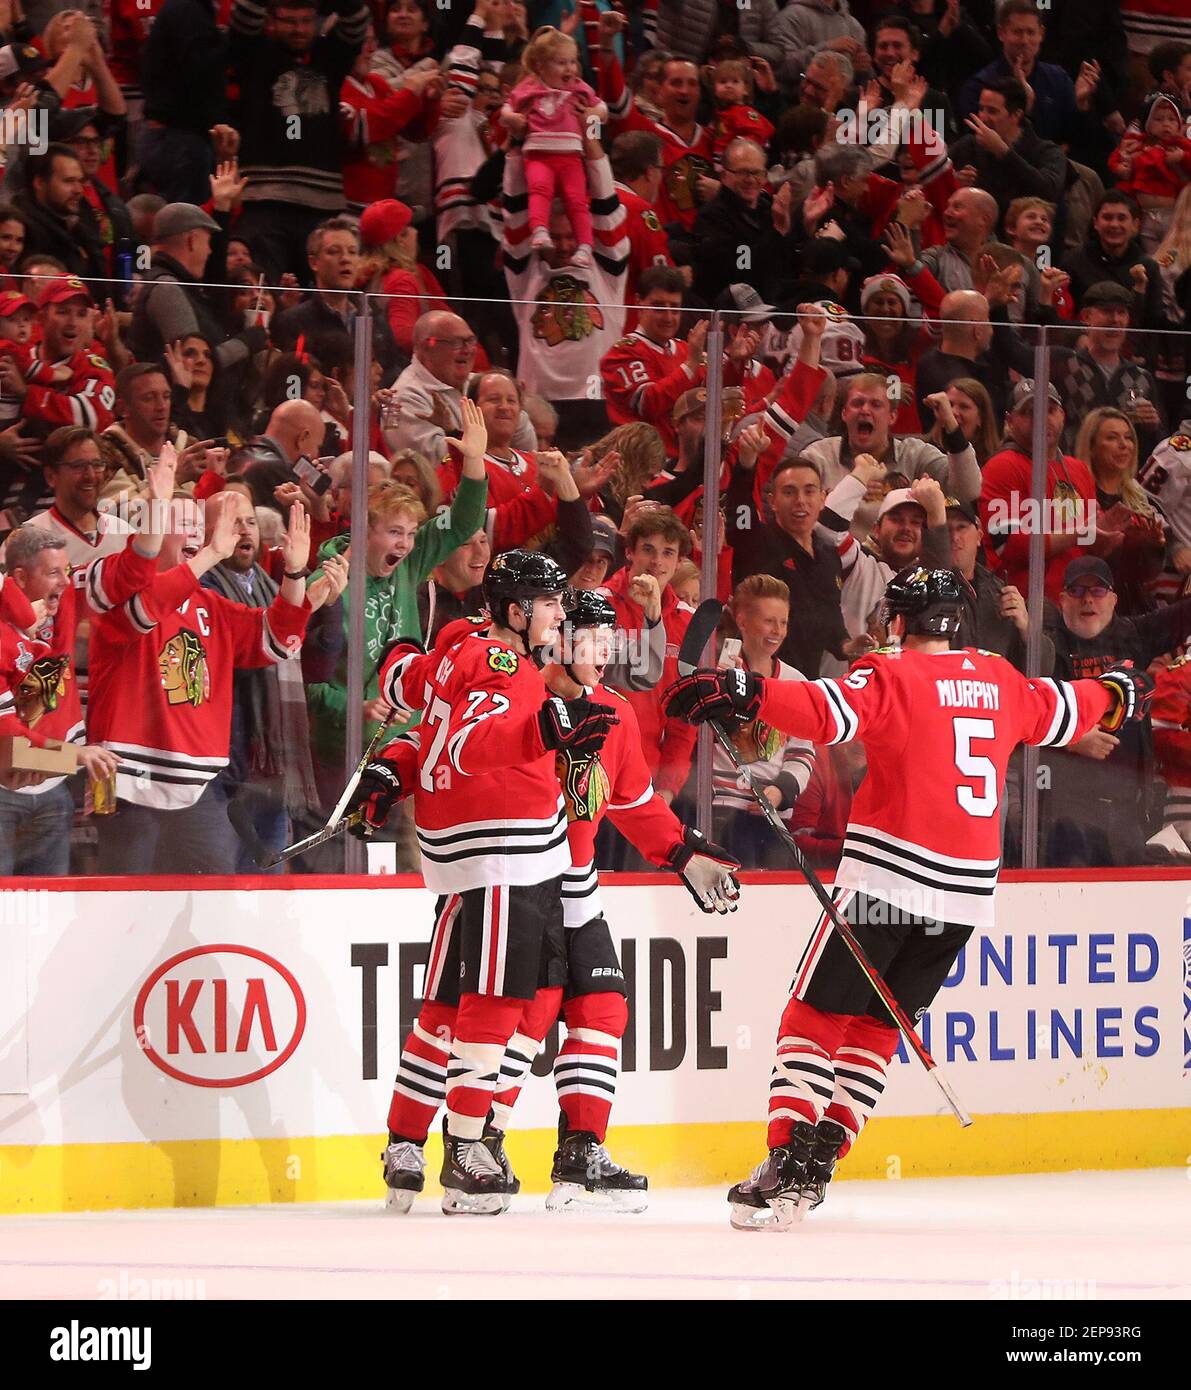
x=502 y=660
x=585 y=786
x=681 y=180
x=757 y=742
x=569 y=314
x=183 y=666
x=43 y=688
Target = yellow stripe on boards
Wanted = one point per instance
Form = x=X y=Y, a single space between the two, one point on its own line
x=237 y=1172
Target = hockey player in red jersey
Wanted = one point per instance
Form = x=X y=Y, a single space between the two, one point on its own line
x=616 y=782
x=491 y=826
x=921 y=853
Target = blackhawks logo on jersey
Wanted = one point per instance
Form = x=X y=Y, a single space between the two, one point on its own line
x=1181 y=442
x=681 y=180
x=585 y=786
x=43 y=688
x=651 y=220
x=502 y=660
x=757 y=742
x=183 y=666
x=569 y=314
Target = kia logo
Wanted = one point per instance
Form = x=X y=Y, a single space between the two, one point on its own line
x=219 y=1016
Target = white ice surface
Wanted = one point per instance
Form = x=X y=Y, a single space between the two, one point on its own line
x=1091 y=1235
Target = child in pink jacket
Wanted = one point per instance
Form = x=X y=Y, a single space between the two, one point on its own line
x=551 y=106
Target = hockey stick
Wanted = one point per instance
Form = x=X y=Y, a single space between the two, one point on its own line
x=699 y=631
x=353 y=780
x=320 y=837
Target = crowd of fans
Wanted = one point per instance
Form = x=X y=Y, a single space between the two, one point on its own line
x=889 y=207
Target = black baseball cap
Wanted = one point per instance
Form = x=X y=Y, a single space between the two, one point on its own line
x=1088 y=567
x=966 y=509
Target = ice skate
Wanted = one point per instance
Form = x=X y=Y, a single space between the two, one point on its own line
x=405 y=1174
x=584 y=1175
x=473 y=1180
x=495 y=1140
x=768 y=1200
x=829 y=1139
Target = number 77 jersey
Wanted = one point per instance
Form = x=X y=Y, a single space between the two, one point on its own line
x=938 y=729
x=487 y=804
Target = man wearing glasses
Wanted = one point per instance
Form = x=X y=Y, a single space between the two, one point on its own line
x=1096 y=801
x=743 y=234
x=74 y=470
x=426 y=396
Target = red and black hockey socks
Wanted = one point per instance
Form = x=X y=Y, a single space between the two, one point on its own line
x=421 y=1084
x=588 y=1062
x=860 y=1063
x=525 y=1044
x=483 y=1027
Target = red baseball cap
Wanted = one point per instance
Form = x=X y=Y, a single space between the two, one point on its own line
x=384 y=221
x=11 y=301
x=65 y=287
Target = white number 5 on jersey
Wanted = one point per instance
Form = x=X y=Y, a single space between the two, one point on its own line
x=983 y=770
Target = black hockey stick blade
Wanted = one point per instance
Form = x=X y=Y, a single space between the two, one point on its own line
x=704 y=621
x=328 y=832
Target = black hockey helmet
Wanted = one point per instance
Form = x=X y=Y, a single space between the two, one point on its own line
x=518 y=577
x=930 y=601
x=587 y=608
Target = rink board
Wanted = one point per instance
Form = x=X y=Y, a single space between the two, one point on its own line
x=177 y=1046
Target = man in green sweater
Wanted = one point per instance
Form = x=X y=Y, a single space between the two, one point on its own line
x=404 y=545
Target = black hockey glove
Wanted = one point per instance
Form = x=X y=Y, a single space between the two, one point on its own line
x=708 y=871
x=731 y=698
x=1132 y=691
x=576 y=725
x=377 y=792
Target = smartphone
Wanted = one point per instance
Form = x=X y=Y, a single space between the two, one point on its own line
x=223 y=442
x=314 y=478
x=729 y=653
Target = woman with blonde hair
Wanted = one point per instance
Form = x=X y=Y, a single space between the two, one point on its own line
x=1107 y=443
x=414 y=471
x=974 y=415
x=641 y=457
x=781 y=765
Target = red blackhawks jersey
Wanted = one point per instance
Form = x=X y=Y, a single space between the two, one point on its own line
x=161 y=682
x=643 y=381
x=616 y=783
x=925 y=827
x=88 y=398
x=39 y=688
x=648 y=242
x=518 y=507
x=1171 y=718
x=487 y=804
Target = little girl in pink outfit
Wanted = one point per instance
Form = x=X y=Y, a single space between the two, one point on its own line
x=551 y=105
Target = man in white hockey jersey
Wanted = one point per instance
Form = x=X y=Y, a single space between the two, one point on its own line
x=568 y=315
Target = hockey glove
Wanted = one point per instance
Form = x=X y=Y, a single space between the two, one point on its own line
x=708 y=871
x=731 y=698
x=377 y=792
x=1132 y=691
x=578 y=726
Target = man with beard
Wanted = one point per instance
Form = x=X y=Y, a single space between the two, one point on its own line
x=269 y=777
x=1095 y=805
x=74 y=469
x=58 y=221
x=61 y=381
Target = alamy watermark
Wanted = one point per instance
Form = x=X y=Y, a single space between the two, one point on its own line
x=889 y=125
x=30 y=130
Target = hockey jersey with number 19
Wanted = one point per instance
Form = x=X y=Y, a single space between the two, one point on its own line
x=938 y=728
x=487 y=804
